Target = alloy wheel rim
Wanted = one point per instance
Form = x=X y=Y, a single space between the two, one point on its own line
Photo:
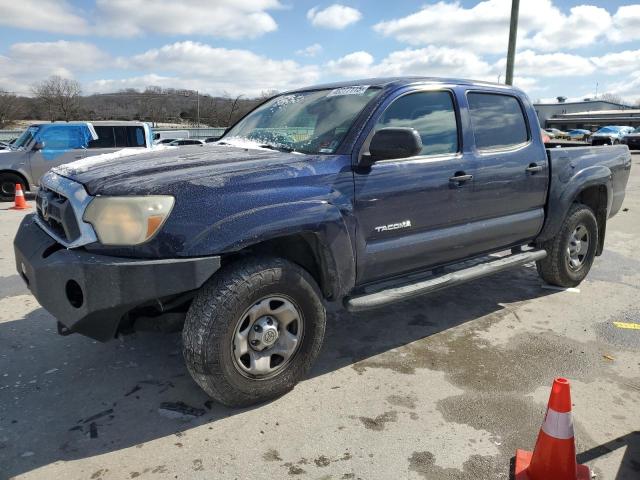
x=267 y=336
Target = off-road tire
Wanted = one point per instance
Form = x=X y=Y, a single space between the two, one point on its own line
x=554 y=268
x=215 y=312
x=8 y=181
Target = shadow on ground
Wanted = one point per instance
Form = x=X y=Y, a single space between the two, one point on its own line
x=66 y=398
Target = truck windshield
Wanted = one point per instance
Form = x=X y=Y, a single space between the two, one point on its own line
x=308 y=122
x=26 y=137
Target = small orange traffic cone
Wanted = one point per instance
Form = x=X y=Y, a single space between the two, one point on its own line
x=19 y=203
x=554 y=456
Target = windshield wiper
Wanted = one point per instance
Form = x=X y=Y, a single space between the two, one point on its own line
x=281 y=148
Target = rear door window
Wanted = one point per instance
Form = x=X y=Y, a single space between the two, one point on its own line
x=128 y=136
x=498 y=121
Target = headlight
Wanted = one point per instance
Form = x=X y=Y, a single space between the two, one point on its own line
x=127 y=220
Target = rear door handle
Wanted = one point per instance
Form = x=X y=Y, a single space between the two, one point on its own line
x=460 y=178
x=534 y=168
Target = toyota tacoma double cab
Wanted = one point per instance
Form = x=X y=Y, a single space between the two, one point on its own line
x=361 y=193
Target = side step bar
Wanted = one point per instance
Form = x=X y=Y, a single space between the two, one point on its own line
x=404 y=292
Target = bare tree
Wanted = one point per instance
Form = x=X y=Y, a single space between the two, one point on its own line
x=61 y=97
x=10 y=108
x=611 y=97
x=233 y=109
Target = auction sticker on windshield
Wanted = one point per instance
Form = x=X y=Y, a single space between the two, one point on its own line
x=355 y=90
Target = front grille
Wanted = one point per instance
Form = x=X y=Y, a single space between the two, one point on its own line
x=56 y=212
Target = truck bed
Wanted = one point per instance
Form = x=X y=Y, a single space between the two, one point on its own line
x=579 y=166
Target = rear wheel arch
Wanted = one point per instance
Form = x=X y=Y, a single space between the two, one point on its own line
x=596 y=197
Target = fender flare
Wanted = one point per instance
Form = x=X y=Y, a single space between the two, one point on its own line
x=564 y=193
x=325 y=222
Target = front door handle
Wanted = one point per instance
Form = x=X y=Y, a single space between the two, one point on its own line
x=460 y=177
x=534 y=168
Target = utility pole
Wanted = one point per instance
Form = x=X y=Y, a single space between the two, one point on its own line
x=198 y=106
x=513 y=34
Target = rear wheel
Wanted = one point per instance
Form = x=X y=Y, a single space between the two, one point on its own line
x=253 y=331
x=571 y=252
x=8 y=183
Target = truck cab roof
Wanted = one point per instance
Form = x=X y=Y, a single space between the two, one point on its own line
x=398 y=82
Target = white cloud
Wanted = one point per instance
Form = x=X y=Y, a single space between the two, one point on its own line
x=629 y=89
x=27 y=63
x=626 y=21
x=484 y=27
x=72 y=55
x=530 y=63
x=429 y=61
x=584 y=26
x=356 y=64
x=310 y=51
x=619 y=62
x=214 y=70
x=234 y=19
x=55 y=16
x=335 y=17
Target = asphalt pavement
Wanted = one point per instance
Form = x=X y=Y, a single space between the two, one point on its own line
x=442 y=387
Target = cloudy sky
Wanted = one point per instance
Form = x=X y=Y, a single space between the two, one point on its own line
x=565 y=47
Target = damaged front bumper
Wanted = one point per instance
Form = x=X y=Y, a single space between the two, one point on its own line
x=89 y=294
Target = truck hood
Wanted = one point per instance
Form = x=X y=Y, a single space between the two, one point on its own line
x=154 y=171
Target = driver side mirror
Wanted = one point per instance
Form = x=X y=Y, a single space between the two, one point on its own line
x=38 y=146
x=394 y=142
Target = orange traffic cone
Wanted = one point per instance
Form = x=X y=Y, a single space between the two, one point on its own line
x=19 y=203
x=554 y=456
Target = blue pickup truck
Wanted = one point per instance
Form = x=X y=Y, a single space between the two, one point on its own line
x=361 y=193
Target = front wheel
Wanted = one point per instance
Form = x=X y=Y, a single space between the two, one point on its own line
x=571 y=252
x=253 y=331
x=8 y=182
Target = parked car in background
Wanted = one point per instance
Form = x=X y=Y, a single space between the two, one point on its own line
x=159 y=135
x=632 y=139
x=4 y=146
x=546 y=138
x=242 y=243
x=579 y=134
x=166 y=141
x=557 y=134
x=186 y=141
x=211 y=139
x=47 y=145
x=610 y=135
